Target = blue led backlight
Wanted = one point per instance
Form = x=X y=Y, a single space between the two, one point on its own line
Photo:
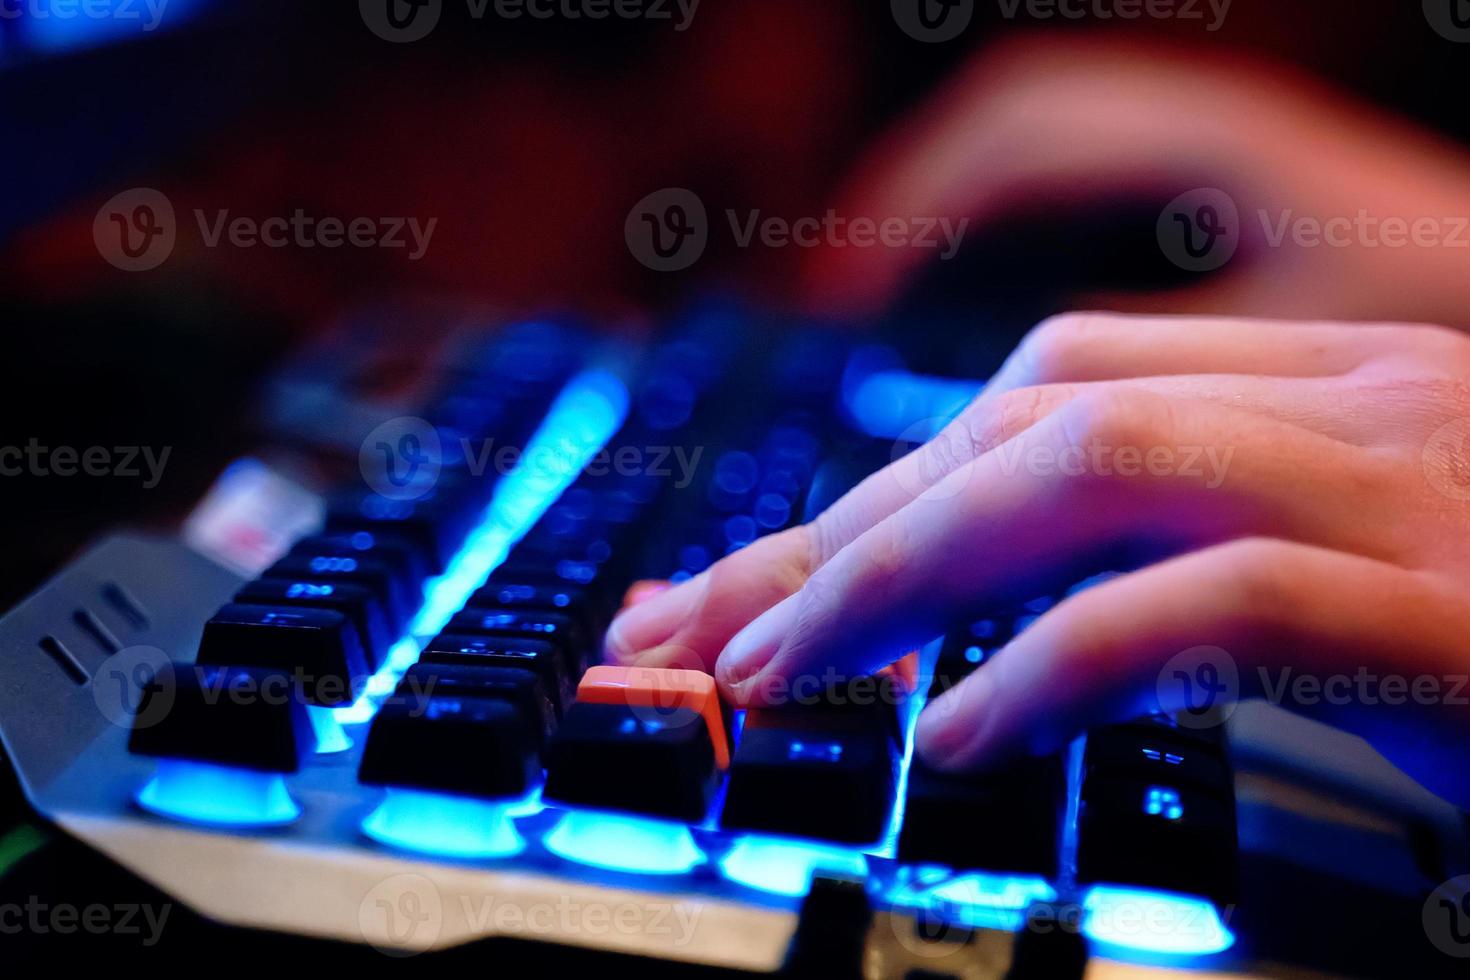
x=785 y=867
x=815 y=752
x=617 y=842
x=330 y=736
x=588 y=412
x=994 y=891
x=1161 y=801
x=976 y=899
x=446 y=826
x=894 y=403
x=1149 y=921
x=198 y=792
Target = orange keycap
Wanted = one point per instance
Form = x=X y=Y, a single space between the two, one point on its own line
x=664 y=688
x=645 y=590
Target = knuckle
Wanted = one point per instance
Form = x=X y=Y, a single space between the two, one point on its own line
x=1258 y=575
x=1440 y=344
x=1052 y=346
x=1433 y=394
x=953 y=447
x=1120 y=417
x=884 y=558
x=1428 y=347
x=1007 y=416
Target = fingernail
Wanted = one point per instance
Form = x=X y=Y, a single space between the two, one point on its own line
x=753 y=647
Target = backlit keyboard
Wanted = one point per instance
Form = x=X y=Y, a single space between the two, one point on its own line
x=410 y=698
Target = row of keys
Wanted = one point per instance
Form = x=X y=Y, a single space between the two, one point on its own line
x=325 y=615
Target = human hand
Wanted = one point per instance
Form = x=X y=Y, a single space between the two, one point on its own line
x=1050 y=125
x=1294 y=494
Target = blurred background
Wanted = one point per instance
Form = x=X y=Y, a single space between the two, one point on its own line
x=523 y=141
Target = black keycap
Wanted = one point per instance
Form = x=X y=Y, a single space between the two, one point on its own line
x=375 y=576
x=532 y=596
x=352 y=601
x=511 y=624
x=467 y=746
x=592 y=545
x=582 y=574
x=436 y=522
x=407 y=561
x=543 y=658
x=1156 y=754
x=1200 y=730
x=244 y=717
x=317 y=648
x=836 y=784
x=1006 y=819
x=1160 y=835
x=521 y=688
x=862 y=704
x=613 y=757
x=959 y=657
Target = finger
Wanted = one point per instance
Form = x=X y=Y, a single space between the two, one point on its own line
x=1064 y=122
x=701 y=615
x=697 y=620
x=1064 y=494
x=1245 y=607
x=1080 y=347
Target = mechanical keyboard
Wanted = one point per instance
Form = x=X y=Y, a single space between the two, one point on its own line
x=386 y=717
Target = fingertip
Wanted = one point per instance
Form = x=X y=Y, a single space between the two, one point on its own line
x=651 y=622
x=751 y=650
x=953 y=734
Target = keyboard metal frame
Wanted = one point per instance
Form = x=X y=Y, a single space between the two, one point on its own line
x=320 y=876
